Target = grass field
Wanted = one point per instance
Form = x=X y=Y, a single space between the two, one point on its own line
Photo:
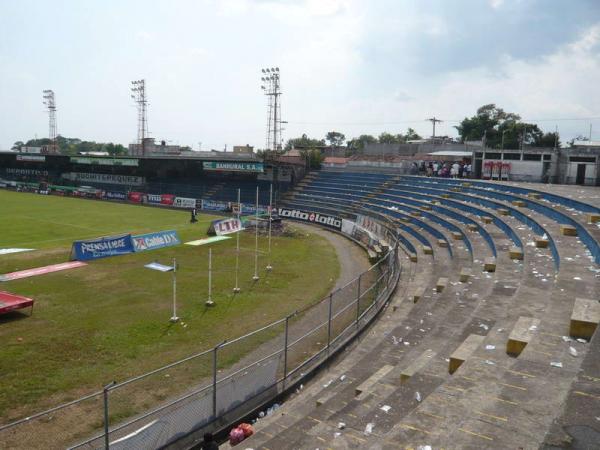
x=109 y=320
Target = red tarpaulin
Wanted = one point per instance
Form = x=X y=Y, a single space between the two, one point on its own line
x=9 y=302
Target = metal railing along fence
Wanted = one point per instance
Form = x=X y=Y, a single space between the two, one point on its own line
x=215 y=387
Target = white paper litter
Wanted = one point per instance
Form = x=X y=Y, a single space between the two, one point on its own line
x=484 y=326
x=343 y=377
x=490 y=347
x=385 y=408
x=566 y=338
x=418 y=396
x=583 y=341
x=491 y=363
x=556 y=364
x=369 y=428
x=341 y=425
x=572 y=351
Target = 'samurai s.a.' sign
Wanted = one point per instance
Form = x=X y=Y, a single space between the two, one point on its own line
x=311 y=217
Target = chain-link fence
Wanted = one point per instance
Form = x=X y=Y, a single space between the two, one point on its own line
x=216 y=387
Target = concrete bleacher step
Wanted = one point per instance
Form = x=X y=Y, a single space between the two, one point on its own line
x=464 y=351
x=489 y=264
x=442 y=283
x=568 y=230
x=585 y=318
x=465 y=274
x=515 y=253
x=427 y=250
x=593 y=218
x=442 y=243
x=416 y=365
x=457 y=236
x=521 y=335
x=366 y=386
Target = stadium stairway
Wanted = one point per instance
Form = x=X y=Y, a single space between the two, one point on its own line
x=431 y=327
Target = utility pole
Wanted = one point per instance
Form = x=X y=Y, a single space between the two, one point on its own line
x=433 y=120
x=138 y=89
x=50 y=103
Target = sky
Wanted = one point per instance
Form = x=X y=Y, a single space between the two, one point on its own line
x=354 y=66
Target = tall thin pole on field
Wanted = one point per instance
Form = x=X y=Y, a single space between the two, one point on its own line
x=174 y=318
x=236 y=289
x=256 y=277
x=269 y=266
x=210 y=302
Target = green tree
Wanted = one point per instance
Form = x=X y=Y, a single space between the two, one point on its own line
x=303 y=142
x=357 y=145
x=313 y=157
x=411 y=135
x=335 y=138
x=389 y=138
x=490 y=121
x=17 y=145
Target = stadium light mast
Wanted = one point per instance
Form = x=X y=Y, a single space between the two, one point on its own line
x=50 y=103
x=138 y=94
x=272 y=88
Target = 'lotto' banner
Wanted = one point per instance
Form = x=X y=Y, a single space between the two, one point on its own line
x=102 y=247
x=183 y=202
x=152 y=241
x=311 y=217
x=213 y=205
x=225 y=226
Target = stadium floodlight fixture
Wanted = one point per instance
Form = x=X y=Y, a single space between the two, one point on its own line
x=263 y=70
x=272 y=69
x=277 y=69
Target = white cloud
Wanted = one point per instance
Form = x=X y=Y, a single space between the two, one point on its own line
x=496 y=3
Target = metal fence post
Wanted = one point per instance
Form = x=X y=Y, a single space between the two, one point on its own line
x=106 y=423
x=285 y=350
x=214 y=383
x=329 y=322
x=358 y=301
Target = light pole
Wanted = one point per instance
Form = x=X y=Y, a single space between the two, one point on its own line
x=174 y=317
x=502 y=146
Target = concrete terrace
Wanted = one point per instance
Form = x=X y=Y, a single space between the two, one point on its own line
x=489 y=269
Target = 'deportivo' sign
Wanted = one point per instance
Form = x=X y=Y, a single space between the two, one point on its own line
x=231 y=166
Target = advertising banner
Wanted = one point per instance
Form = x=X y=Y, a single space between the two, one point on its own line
x=38 y=158
x=183 y=202
x=153 y=198
x=371 y=225
x=167 y=199
x=152 y=241
x=104 y=178
x=231 y=166
x=135 y=197
x=248 y=208
x=225 y=226
x=102 y=247
x=108 y=195
x=311 y=217
x=212 y=205
x=102 y=161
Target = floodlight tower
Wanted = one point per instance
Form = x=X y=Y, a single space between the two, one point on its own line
x=271 y=87
x=434 y=120
x=50 y=103
x=138 y=89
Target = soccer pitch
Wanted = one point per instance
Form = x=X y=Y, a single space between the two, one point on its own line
x=109 y=320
